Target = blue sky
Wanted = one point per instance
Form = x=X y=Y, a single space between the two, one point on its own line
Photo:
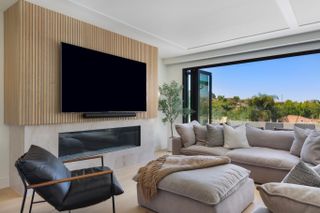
x=296 y=78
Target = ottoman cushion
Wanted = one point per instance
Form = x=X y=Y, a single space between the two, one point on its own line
x=209 y=186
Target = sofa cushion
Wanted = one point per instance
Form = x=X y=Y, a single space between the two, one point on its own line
x=300 y=135
x=186 y=133
x=203 y=150
x=310 y=151
x=264 y=157
x=215 y=135
x=293 y=198
x=235 y=137
x=200 y=134
x=303 y=175
x=209 y=185
x=270 y=138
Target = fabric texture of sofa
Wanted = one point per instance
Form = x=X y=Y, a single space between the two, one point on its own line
x=220 y=189
x=268 y=157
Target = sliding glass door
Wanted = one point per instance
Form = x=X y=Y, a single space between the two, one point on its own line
x=197 y=95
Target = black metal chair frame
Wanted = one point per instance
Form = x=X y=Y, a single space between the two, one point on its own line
x=33 y=186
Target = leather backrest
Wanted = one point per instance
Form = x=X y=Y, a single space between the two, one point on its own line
x=39 y=165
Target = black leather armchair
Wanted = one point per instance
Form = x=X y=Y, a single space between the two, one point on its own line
x=63 y=189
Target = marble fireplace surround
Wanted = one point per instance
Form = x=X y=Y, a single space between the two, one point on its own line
x=47 y=136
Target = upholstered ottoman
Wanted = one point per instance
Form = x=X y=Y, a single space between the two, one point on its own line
x=220 y=189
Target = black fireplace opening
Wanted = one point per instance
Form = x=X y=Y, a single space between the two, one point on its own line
x=93 y=142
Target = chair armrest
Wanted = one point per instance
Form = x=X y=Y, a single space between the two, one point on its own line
x=176 y=145
x=85 y=158
x=52 y=182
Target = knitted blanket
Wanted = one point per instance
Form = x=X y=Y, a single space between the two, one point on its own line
x=150 y=175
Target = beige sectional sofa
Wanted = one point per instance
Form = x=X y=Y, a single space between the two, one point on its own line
x=268 y=157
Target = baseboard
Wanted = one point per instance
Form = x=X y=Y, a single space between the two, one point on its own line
x=4 y=182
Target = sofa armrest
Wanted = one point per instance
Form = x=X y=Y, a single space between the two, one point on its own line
x=176 y=145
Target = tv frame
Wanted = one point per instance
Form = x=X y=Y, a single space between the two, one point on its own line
x=99 y=114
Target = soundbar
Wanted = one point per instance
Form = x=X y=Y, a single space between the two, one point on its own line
x=108 y=114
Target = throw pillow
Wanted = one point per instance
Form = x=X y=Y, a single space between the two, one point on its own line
x=200 y=134
x=317 y=169
x=215 y=135
x=310 y=151
x=300 y=135
x=303 y=175
x=235 y=137
x=186 y=133
x=285 y=197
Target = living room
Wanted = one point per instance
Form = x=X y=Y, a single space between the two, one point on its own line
x=51 y=105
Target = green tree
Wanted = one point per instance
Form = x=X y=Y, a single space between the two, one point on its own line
x=170 y=103
x=263 y=108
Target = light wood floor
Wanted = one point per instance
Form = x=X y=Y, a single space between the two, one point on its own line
x=125 y=203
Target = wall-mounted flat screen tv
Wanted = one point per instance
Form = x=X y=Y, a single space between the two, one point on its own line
x=93 y=81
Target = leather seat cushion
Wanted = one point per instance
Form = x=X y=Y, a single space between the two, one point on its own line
x=264 y=157
x=89 y=191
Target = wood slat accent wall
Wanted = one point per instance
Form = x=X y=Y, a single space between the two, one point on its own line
x=32 y=63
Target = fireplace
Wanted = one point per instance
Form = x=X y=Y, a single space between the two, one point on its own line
x=92 y=142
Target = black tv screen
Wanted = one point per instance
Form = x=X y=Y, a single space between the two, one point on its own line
x=94 y=81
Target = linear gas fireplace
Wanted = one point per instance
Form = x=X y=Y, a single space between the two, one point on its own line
x=84 y=143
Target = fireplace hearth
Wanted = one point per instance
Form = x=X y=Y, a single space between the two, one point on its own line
x=93 y=142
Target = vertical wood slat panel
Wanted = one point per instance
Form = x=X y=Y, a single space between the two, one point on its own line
x=32 y=63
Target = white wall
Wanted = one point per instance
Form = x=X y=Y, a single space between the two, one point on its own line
x=161 y=129
x=4 y=131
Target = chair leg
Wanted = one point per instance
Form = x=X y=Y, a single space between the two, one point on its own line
x=112 y=194
x=31 y=203
x=23 y=200
x=113 y=206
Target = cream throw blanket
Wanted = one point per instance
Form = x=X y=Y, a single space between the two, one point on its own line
x=150 y=175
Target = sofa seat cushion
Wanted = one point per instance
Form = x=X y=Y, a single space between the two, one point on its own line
x=264 y=157
x=204 y=150
x=209 y=185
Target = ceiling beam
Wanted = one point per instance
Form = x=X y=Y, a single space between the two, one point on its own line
x=288 y=14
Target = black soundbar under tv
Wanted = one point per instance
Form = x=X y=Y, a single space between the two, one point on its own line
x=108 y=114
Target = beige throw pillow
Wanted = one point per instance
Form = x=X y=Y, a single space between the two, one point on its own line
x=235 y=137
x=186 y=133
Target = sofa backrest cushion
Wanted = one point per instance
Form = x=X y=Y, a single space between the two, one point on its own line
x=37 y=166
x=270 y=138
x=186 y=133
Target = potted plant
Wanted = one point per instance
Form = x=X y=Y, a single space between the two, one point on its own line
x=170 y=103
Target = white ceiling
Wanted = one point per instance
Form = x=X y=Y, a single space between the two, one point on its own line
x=179 y=27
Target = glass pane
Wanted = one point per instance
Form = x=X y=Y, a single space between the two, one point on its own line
x=189 y=97
x=204 y=98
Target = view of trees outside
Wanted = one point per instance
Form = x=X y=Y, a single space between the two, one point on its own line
x=283 y=90
x=263 y=107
